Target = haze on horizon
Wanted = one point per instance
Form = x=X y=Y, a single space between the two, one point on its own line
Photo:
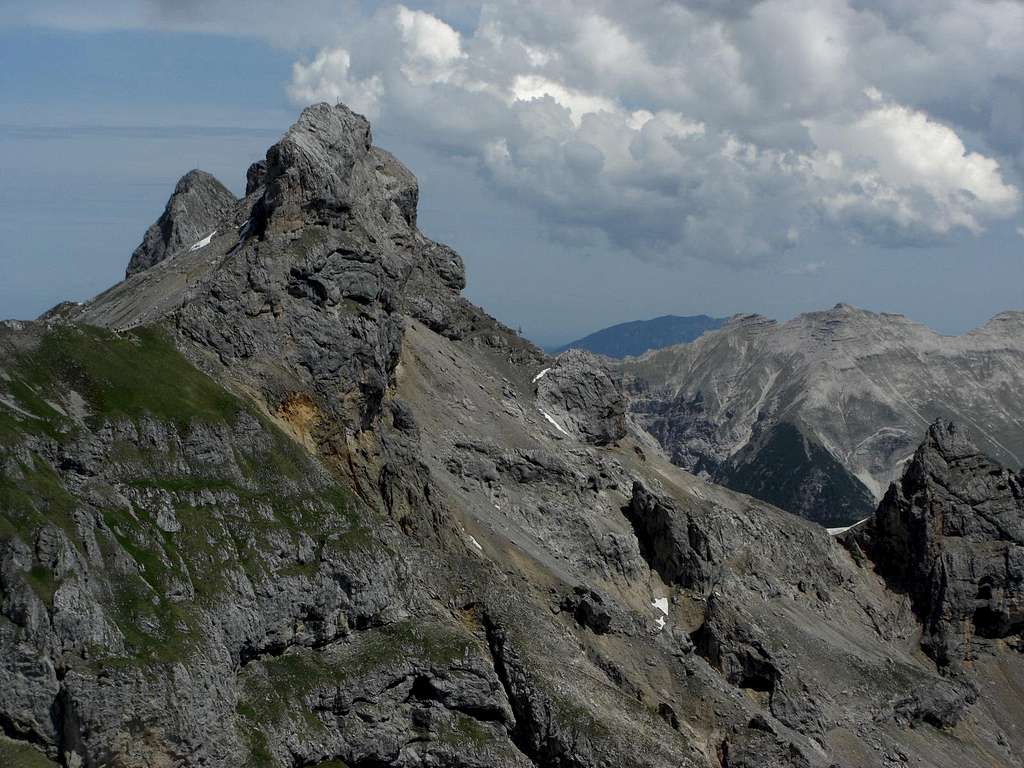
x=593 y=162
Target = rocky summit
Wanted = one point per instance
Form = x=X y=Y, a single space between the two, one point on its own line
x=819 y=414
x=283 y=497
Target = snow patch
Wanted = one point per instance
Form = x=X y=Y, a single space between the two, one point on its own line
x=661 y=604
x=16 y=408
x=556 y=425
x=540 y=375
x=837 y=531
x=203 y=243
x=475 y=543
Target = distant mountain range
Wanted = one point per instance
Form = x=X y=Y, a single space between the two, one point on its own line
x=639 y=336
x=818 y=415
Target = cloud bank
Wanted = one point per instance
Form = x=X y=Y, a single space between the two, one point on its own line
x=725 y=131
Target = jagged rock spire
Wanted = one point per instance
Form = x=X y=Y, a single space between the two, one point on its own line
x=951 y=534
x=198 y=204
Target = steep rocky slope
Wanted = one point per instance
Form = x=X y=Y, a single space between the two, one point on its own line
x=819 y=414
x=287 y=499
x=951 y=534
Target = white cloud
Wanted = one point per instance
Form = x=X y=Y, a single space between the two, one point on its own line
x=727 y=131
x=895 y=165
x=431 y=47
x=328 y=78
x=679 y=130
x=531 y=86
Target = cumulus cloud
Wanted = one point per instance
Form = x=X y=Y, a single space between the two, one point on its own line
x=328 y=78
x=893 y=170
x=432 y=48
x=727 y=131
x=721 y=132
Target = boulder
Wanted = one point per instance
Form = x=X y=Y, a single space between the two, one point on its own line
x=579 y=392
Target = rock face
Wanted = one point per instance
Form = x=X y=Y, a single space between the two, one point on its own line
x=296 y=502
x=951 y=533
x=255 y=177
x=579 y=394
x=675 y=544
x=310 y=272
x=198 y=204
x=819 y=414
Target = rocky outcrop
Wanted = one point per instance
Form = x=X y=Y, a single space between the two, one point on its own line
x=255 y=177
x=588 y=609
x=316 y=170
x=196 y=208
x=942 y=705
x=578 y=392
x=675 y=544
x=951 y=534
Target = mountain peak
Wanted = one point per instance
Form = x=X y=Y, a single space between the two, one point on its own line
x=949 y=441
x=198 y=203
x=314 y=269
x=311 y=168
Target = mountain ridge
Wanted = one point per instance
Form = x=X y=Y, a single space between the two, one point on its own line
x=635 y=337
x=299 y=503
x=859 y=387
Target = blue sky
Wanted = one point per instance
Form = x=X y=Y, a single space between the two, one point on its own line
x=595 y=190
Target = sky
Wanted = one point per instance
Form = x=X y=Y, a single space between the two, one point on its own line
x=593 y=162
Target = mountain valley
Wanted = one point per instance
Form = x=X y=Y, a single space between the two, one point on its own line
x=819 y=414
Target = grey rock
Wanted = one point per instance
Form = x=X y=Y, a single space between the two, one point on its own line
x=675 y=544
x=313 y=169
x=588 y=609
x=196 y=208
x=951 y=533
x=942 y=705
x=754 y=748
x=578 y=391
x=255 y=177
